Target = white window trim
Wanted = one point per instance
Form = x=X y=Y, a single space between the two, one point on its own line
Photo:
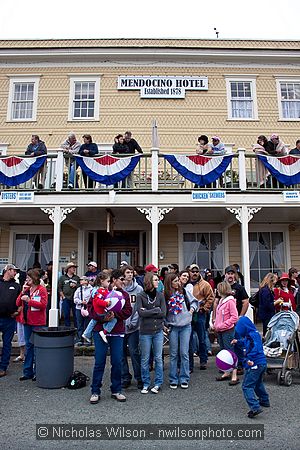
x=285 y=80
x=197 y=228
x=254 y=228
x=252 y=80
x=23 y=79
x=78 y=78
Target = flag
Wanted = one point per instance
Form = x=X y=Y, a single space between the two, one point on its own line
x=15 y=170
x=107 y=169
x=286 y=169
x=200 y=169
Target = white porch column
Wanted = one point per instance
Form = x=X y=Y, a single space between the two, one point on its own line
x=242 y=169
x=154 y=168
x=56 y=215
x=154 y=215
x=244 y=215
x=59 y=170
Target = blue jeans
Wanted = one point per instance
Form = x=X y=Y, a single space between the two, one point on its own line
x=29 y=363
x=253 y=387
x=68 y=306
x=82 y=323
x=132 y=340
x=225 y=338
x=201 y=333
x=179 y=335
x=72 y=174
x=146 y=342
x=115 y=344
x=7 y=327
x=107 y=326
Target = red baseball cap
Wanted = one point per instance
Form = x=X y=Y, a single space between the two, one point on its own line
x=151 y=268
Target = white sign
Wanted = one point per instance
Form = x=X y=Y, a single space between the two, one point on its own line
x=206 y=196
x=17 y=197
x=291 y=196
x=162 y=87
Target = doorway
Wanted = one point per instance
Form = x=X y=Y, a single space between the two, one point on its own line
x=123 y=246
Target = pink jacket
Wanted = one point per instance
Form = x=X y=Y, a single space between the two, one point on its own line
x=226 y=314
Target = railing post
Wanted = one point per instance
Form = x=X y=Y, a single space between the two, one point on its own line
x=154 y=165
x=242 y=169
x=59 y=170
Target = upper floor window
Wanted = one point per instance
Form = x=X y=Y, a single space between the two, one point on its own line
x=22 y=101
x=289 y=99
x=241 y=99
x=84 y=98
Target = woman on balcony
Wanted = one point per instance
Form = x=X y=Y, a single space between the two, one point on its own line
x=90 y=149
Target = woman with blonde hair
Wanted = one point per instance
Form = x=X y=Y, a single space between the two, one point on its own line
x=266 y=308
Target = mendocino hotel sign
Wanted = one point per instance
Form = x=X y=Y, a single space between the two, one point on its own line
x=162 y=87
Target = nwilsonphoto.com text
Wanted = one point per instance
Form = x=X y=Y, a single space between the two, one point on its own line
x=201 y=432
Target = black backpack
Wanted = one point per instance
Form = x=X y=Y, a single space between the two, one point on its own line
x=254 y=299
x=77 y=380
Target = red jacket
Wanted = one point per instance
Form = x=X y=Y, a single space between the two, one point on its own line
x=36 y=312
x=289 y=303
x=125 y=312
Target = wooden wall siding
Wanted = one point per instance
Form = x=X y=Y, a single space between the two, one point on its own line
x=4 y=243
x=168 y=243
x=294 y=248
x=68 y=241
x=179 y=121
x=234 y=244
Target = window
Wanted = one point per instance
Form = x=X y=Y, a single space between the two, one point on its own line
x=267 y=254
x=289 y=99
x=241 y=99
x=33 y=248
x=22 y=102
x=204 y=249
x=84 y=98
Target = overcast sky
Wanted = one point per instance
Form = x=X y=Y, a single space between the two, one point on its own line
x=256 y=19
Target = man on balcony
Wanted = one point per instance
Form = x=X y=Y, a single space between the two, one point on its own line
x=217 y=147
x=296 y=151
x=70 y=147
x=38 y=148
x=132 y=143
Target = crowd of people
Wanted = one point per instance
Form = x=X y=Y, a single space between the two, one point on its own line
x=135 y=310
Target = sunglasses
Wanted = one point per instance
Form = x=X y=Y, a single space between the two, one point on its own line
x=194 y=271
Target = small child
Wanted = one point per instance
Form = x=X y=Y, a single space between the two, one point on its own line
x=255 y=364
x=100 y=304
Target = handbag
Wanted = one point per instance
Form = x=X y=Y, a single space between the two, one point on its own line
x=77 y=380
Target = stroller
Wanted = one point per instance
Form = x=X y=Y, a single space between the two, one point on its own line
x=282 y=346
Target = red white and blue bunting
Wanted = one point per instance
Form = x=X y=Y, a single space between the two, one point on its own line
x=286 y=169
x=107 y=169
x=198 y=169
x=15 y=171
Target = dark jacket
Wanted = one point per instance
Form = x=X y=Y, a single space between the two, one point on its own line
x=121 y=148
x=92 y=148
x=133 y=146
x=38 y=150
x=9 y=291
x=64 y=285
x=246 y=332
x=152 y=312
x=121 y=316
x=266 y=308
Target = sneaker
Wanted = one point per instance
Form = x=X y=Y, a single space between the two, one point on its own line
x=94 y=399
x=252 y=414
x=145 y=390
x=70 y=186
x=125 y=384
x=87 y=339
x=265 y=405
x=203 y=367
x=19 y=359
x=155 y=389
x=173 y=386
x=140 y=385
x=24 y=378
x=209 y=353
x=119 y=397
x=103 y=336
x=184 y=385
x=2 y=373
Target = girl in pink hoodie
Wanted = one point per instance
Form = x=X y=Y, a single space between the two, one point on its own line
x=226 y=316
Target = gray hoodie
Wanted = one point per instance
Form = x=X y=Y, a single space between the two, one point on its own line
x=185 y=316
x=133 y=323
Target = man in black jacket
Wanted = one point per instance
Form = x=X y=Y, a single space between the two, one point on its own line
x=9 y=291
x=132 y=143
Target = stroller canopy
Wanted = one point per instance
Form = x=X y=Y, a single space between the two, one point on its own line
x=283 y=326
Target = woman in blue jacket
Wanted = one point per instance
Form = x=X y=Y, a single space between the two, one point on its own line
x=266 y=308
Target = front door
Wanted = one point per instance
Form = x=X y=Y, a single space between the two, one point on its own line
x=113 y=258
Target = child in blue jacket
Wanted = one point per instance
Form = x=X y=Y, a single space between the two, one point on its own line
x=255 y=364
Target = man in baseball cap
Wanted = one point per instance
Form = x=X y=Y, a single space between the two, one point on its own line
x=92 y=271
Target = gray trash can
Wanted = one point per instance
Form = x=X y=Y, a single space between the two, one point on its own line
x=54 y=356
